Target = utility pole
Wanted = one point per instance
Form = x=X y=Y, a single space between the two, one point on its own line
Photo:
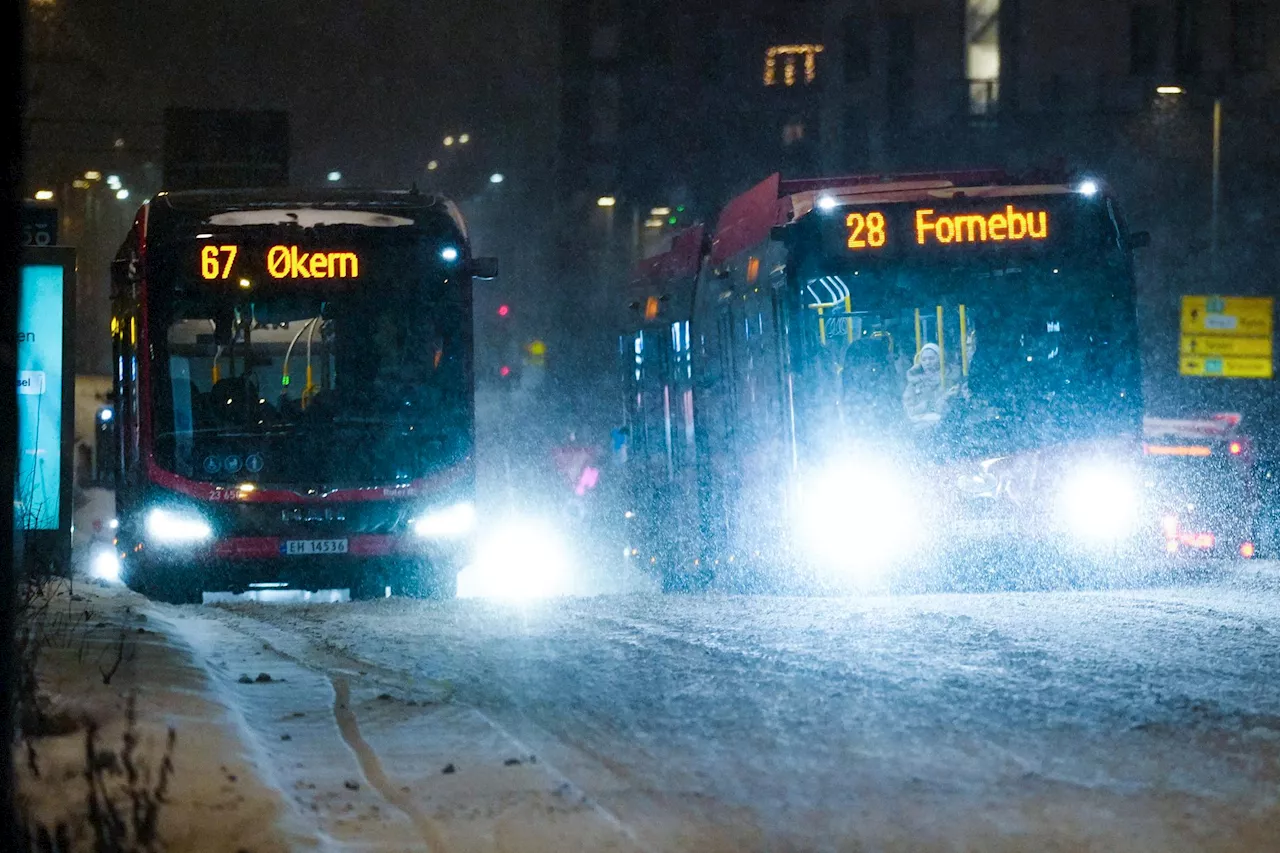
x=11 y=83
x=1216 y=183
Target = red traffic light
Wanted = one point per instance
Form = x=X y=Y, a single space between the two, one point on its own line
x=504 y=310
x=504 y=371
x=1236 y=448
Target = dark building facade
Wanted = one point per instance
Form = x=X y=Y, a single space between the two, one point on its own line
x=668 y=104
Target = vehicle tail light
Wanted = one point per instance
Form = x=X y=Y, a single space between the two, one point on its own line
x=1247 y=550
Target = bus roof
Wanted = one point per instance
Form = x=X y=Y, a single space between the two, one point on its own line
x=206 y=203
x=747 y=219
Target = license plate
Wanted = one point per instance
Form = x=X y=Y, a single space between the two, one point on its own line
x=304 y=547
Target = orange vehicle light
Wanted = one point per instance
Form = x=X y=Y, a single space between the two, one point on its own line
x=1178 y=450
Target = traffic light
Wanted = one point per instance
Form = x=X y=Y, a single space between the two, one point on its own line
x=504 y=310
x=537 y=354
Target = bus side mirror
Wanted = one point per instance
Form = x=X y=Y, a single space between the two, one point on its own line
x=484 y=268
x=224 y=321
x=104 y=449
x=1139 y=239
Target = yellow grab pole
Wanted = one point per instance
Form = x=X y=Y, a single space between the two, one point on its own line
x=919 y=343
x=822 y=328
x=964 y=344
x=848 y=313
x=942 y=353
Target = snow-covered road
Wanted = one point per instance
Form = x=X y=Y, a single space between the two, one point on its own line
x=1114 y=720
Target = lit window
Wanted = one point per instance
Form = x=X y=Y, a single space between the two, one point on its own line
x=789 y=56
x=982 y=54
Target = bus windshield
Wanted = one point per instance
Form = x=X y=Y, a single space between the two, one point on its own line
x=284 y=384
x=979 y=358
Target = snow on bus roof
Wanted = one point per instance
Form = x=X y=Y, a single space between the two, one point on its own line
x=308 y=217
x=1219 y=425
x=804 y=202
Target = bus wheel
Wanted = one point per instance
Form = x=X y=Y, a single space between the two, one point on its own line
x=676 y=580
x=166 y=581
x=426 y=580
x=407 y=580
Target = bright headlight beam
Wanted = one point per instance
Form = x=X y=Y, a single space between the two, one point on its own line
x=854 y=517
x=174 y=528
x=1100 y=502
x=105 y=565
x=518 y=559
x=448 y=523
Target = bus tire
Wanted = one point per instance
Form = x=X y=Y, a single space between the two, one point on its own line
x=404 y=580
x=675 y=581
x=164 y=580
x=427 y=581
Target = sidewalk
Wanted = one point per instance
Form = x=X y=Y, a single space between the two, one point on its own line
x=216 y=798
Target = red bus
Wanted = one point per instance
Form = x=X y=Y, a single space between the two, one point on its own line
x=294 y=393
x=880 y=380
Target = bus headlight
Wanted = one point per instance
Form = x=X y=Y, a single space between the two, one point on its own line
x=518 y=558
x=1100 y=501
x=855 y=517
x=174 y=527
x=452 y=522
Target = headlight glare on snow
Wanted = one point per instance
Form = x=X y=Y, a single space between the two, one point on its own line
x=174 y=527
x=105 y=564
x=518 y=558
x=854 y=516
x=451 y=522
x=1100 y=502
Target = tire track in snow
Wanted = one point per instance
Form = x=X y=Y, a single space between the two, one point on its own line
x=297 y=645
x=371 y=767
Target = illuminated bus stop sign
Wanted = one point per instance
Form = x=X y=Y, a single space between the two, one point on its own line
x=42 y=491
x=1227 y=336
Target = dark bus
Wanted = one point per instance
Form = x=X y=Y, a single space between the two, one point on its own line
x=884 y=380
x=294 y=393
x=1204 y=485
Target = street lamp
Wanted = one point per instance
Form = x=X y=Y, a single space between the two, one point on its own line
x=496 y=178
x=334 y=176
x=464 y=138
x=44 y=195
x=606 y=201
x=122 y=194
x=1170 y=90
x=432 y=165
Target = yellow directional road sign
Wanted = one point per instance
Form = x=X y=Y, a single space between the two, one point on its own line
x=1246 y=316
x=1220 y=345
x=1228 y=368
x=1227 y=336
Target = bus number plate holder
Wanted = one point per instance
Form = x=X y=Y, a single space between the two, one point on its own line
x=309 y=547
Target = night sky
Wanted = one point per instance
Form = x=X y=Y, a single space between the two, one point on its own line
x=371 y=87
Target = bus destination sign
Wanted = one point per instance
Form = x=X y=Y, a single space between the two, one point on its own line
x=281 y=261
x=872 y=229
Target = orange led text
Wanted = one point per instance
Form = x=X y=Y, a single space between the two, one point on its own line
x=1011 y=225
x=288 y=262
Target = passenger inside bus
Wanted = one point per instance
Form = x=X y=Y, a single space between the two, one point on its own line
x=926 y=398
